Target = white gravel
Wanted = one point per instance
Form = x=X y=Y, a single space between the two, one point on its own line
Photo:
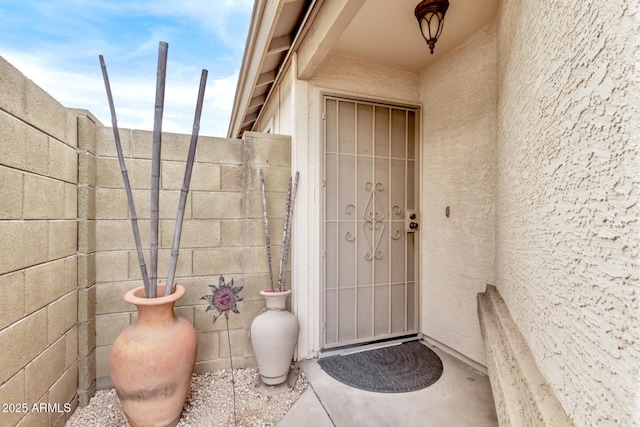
x=209 y=404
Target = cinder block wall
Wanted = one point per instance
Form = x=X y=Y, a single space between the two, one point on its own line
x=67 y=254
x=38 y=252
x=87 y=126
x=223 y=233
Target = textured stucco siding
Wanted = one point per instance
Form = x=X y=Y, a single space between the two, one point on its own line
x=459 y=134
x=363 y=79
x=568 y=239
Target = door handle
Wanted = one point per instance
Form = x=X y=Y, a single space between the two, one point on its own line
x=411 y=221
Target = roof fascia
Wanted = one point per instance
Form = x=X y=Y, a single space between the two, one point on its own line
x=263 y=24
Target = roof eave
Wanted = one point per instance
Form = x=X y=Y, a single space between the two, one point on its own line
x=265 y=38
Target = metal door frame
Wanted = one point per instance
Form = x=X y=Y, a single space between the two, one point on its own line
x=323 y=241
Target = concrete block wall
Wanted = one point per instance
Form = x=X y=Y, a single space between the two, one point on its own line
x=87 y=128
x=67 y=254
x=223 y=233
x=38 y=253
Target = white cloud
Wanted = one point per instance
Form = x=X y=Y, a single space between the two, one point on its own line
x=134 y=97
x=62 y=56
x=215 y=17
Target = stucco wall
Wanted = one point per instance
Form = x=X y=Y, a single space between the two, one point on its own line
x=38 y=245
x=568 y=240
x=364 y=79
x=222 y=233
x=337 y=75
x=458 y=140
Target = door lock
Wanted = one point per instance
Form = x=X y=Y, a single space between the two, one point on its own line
x=411 y=221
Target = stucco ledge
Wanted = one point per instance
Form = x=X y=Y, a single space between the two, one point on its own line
x=521 y=393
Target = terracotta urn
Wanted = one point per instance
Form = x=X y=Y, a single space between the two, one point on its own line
x=152 y=360
x=274 y=335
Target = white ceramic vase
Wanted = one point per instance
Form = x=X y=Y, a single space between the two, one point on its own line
x=274 y=334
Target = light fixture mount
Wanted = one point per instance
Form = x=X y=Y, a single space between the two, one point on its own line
x=430 y=15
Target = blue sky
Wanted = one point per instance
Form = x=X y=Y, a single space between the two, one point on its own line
x=56 y=44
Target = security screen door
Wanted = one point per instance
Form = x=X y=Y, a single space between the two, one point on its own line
x=370 y=290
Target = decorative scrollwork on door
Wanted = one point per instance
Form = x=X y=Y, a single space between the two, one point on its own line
x=349 y=209
x=398 y=212
x=373 y=215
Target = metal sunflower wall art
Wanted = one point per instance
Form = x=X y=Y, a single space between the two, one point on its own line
x=223 y=298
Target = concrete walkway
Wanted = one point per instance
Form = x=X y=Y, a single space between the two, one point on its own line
x=461 y=397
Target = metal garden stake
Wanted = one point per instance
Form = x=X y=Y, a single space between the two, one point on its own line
x=222 y=300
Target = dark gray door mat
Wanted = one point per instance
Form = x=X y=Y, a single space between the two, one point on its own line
x=397 y=369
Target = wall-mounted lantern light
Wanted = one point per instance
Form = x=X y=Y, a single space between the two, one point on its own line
x=430 y=15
